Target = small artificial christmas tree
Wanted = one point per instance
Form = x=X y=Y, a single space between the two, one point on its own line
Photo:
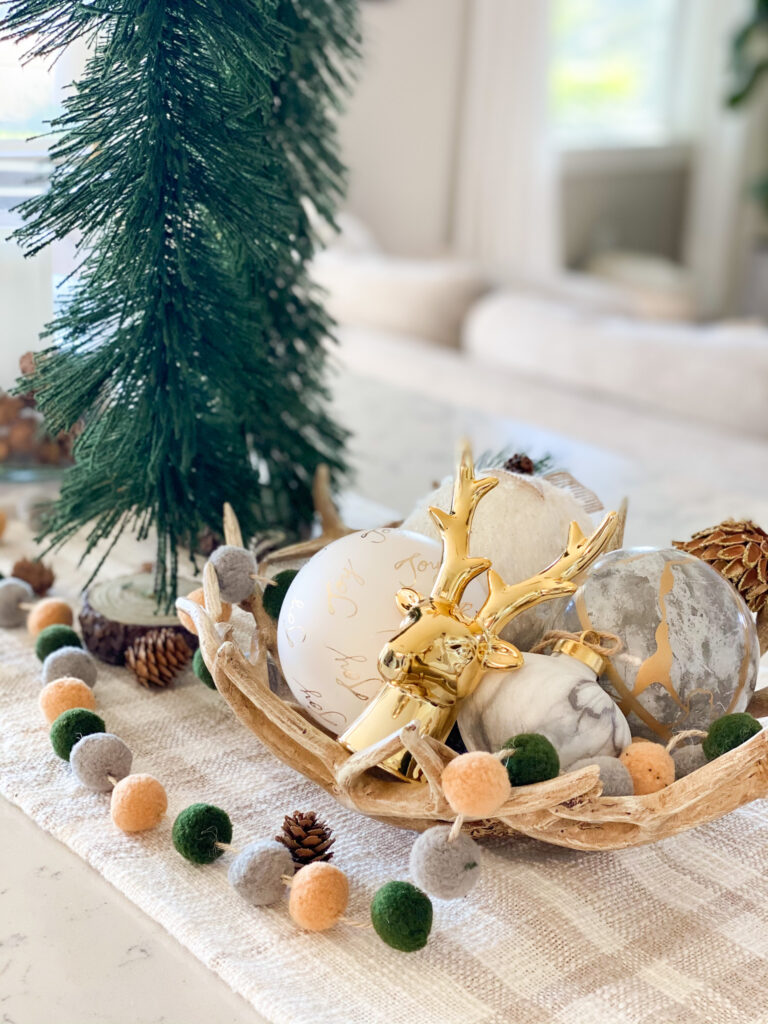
x=192 y=345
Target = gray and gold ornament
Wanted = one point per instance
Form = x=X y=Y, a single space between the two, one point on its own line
x=690 y=650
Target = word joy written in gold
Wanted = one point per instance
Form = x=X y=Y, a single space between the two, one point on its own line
x=417 y=564
x=338 y=595
x=351 y=677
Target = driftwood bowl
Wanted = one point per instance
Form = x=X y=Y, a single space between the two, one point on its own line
x=566 y=811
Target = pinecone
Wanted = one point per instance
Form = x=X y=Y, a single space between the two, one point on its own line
x=307 y=838
x=739 y=552
x=40 y=577
x=520 y=464
x=157 y=657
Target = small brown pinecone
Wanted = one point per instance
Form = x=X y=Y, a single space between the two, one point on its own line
x=307 y=838
x=738 y=550
x=157 y=657
x=39 y=576
x=520 y=464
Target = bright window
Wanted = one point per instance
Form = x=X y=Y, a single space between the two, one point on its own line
x=29 y=94
x=613 y=70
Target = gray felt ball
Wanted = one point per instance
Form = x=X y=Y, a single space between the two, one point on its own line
x=256 y=873
x=69 y=662
x=97 y=756
x=614 y=776
x=444 y=869
x=14 y=592
x=235 y=568
x=688 y=759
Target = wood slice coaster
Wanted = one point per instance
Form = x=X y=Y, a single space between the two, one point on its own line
x=116 y=612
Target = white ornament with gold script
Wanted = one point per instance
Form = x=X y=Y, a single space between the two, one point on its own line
x=340 y=611
x=520 y=527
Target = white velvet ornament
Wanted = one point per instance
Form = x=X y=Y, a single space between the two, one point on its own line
x=521 y=526
x=339 y=612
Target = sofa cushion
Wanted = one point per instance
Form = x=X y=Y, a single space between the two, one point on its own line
x=717 y=373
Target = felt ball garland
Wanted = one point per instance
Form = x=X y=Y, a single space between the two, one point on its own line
x=53 y=637
x=200 y=832
x=71 y=726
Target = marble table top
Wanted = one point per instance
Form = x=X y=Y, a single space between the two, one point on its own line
x=74 y=950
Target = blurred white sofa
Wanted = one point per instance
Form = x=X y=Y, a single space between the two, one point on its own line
x=620 y=333
x=367 y=288
x=717 y=373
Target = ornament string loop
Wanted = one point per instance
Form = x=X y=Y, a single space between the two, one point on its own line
x=602 y=643
x=686 y=734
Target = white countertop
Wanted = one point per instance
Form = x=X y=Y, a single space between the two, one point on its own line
x=74 y=950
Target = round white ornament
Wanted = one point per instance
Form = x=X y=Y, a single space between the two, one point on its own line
x=521 y=526
x=339 y=612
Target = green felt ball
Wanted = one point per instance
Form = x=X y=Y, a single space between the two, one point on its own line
x=70 y=727
x=53 y=637
x=274 y=593
x=534 y=759
x=402 y=916
x=728 y=732
x=201 y=670
x=198 y=829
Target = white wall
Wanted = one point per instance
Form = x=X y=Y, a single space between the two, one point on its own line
x=399 y=134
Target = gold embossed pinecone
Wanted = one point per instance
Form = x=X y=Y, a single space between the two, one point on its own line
x=307 y=838
x=157 y=657
x=739 y=551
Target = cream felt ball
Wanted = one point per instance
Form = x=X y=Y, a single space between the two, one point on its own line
x=476 y=784
x=63 y=694
x=522 y=526
x=72 y=663
x=319 y=896
x=98 y=756
x=339 y=612
x=443 y=867
x=235 y=569
x=138 y=803
x=14 y=593
x=650 y=766
x=257 y=872
x=614 y=775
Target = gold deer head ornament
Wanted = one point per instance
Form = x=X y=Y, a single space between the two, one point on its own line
x=440 y=653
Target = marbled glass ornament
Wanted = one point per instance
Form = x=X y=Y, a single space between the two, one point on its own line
x=339 y=612
x=690 y=651
x=555 y=695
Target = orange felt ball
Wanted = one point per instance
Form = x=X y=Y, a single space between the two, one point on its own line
x=63 y=694
x=319 y=896
x=650 y=765
x=476 y=784
x=138 y=803
x=51 y=611
x=198 y=596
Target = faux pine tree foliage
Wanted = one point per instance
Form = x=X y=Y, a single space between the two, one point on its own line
x=192 y=345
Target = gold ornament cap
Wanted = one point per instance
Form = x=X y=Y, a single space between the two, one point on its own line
x=582 y=652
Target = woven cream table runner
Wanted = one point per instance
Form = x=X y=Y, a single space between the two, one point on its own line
x=676 y=932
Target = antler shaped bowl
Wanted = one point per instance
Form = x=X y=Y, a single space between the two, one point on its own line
x=567 y=811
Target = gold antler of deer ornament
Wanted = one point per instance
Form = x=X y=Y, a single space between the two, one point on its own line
x=440 y=654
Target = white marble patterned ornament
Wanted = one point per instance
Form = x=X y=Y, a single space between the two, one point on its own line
x=339 y=612
x=556 y=695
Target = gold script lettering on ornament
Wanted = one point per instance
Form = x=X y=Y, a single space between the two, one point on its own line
x=417 y=564
x=351 y=679
x=294 y=632
x=337 y=591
